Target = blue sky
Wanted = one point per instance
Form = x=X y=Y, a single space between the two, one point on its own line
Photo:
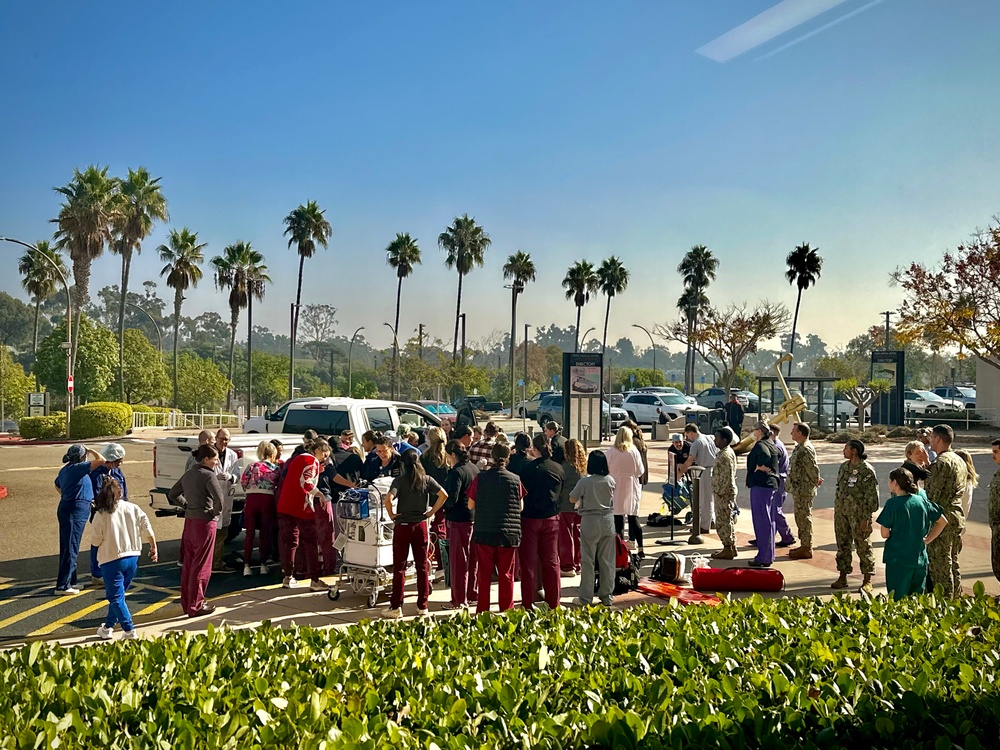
x=568 y=130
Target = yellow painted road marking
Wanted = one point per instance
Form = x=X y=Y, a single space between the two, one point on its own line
x=56 y=624
x=156 y=606
x=56 y=601
x=56 y=468
x=151 y=587
x=27 y=595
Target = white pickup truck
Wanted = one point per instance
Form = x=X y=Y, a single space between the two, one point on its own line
x=328 y=416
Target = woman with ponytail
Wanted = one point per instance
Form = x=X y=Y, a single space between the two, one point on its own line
x=909 y=522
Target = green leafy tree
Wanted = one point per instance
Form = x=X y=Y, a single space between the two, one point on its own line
x=364 y=387
x=465 y=243
x=307 y=229
x=202 y=384
x=697 y=269
x=84 y=227
x=402 y=254
x=96 y=361
x=145 y=375
x=14 y=386
x=519 y=269
x=860 y=394
x=139 y=204
x=804 y=267
x=40 y=279
x=15 y=322
x=183 y=256
x=612 y=280
x=268 y=376
x=580 y=282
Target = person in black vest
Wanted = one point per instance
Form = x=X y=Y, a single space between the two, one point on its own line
x=519 y=458
x=539 y=551
x=462 y=558
x=496 y=497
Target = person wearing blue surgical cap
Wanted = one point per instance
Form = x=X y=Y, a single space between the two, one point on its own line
x=76 y=493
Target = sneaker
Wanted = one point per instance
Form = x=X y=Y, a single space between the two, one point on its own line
x=289 y=582
x=206 y=609
x=180 y=564
x=752 y=543
x=246 y=571
x=263 y=570
x=68 y=591
x=97 y=583
x=578 y=602
x=223 y=569
x=567 y=573
x=393 y=614
x=315 y=585
x=758 y=564
x=422 y=612
x=106 y=633
x=451 y=607
x=130 y=635
x=782 y=544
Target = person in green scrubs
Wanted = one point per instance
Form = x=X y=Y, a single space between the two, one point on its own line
x=909 y=522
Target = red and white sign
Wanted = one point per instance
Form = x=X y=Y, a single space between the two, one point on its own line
x=69 y=384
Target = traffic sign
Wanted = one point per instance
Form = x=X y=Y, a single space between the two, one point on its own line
x=702 y=378
x=69 y=384
x=631 y=378
x=520 y=381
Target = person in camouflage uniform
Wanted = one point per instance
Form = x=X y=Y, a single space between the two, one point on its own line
x=724 y=490
x=994 y=513
x=803 y=481
x=856 y=501
x=945 y=487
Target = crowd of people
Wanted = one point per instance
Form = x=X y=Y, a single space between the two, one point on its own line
x=534 y=509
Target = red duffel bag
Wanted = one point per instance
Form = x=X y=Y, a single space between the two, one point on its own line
x=737 y=579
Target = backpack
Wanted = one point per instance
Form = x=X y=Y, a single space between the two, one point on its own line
x=668 y=568
x=622 y=555
x=627 y=575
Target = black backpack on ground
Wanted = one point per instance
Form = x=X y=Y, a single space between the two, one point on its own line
x=667 y=568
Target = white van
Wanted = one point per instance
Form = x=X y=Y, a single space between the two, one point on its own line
x=331 y=416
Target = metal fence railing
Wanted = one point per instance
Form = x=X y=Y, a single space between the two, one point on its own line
x=967 y=419
x=182 y=420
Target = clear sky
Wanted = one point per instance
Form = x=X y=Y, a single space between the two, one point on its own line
x=568 y=130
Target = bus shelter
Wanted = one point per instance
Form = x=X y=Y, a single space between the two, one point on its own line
x=823 y=408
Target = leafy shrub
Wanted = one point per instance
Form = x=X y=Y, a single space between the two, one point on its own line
x=902 y=432
x=43 y=428
x=780 y=673
x=99 y=419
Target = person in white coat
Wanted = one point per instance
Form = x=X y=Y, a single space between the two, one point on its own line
x=626 y=467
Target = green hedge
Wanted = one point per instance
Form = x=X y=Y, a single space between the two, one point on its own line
x=45 y=428
x=100 y=419
x=751 y=673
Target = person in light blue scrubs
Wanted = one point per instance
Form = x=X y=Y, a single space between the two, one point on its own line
x=76 y=495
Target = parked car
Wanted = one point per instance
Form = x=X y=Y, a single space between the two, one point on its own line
x=478 y=403
x=716 y=398
x=9 y=426
x=529 y=406
x=642 y=407
x=438 y=407
x=666 y=389
x=965 y=394
x=926 y=402
x=551 y=410
x=845 y=410
x=331 y=416
x=616 y=399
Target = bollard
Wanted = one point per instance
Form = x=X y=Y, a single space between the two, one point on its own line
x=696 y=472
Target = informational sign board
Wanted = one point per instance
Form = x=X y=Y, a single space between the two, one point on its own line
x=582 y=405
x=37 y=404
x=889 y=408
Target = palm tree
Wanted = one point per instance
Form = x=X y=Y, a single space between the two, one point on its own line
x=140 y=204
x=84 y=226
x=520 y=269
x=183 y=257
x=40 y=282
x=466 y=244
x=306 y=228
x=612 y=280
x=402 y=254
x=697 y=270
x=241 y=270
x=804 y=266
x=580 y=282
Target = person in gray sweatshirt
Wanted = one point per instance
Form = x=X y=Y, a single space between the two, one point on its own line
x=592 y=497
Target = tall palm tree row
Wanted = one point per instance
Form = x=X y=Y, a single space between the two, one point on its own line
x=466 y=244
x=580 y=282
x=804 y=267
x=697 y=269
x=307 y=229
x=241 y=270
x=84 y=227
x=40 y=281
x=183 y=255
x=139 y=204
x=519 y=269
x=402 y=254
x=612 y=279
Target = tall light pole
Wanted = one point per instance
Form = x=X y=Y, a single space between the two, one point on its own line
x=516 y=288
x=585 y=333
x=159 y=336
x=67 y=345
x=651 y=343
x=524 y=386
x=350 y=361
x=395 y=358
x=462 y=316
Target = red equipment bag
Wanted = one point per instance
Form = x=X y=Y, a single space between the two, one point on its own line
x=737 y=579
x=623 y=558
x=682 y=595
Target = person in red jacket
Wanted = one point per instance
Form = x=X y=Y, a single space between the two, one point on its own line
x=296 y=515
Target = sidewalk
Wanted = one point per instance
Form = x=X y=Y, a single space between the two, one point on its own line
x=252 y=606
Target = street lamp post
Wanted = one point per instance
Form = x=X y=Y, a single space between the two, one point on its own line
x=67 y=345
x=585 y=334
x=651 y=343
x=393 y=386
x=350 y=361
x=159 y=336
